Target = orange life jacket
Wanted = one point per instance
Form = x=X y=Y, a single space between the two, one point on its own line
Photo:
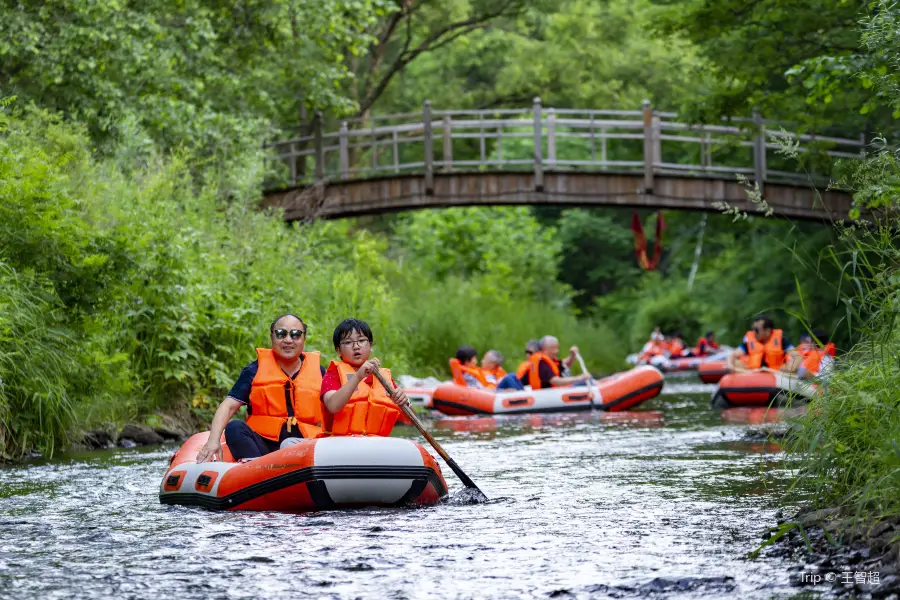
x=523 y=369
x=493 y=376
x=804 y=348
x=276 y=399
x=675 y=348
x=704 y=346
x=370 y=410
x=813 y=360
x=534 y=377
x=458 y=370
x=772 y=350
x=656 y=348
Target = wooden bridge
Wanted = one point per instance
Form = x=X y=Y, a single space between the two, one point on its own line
x=640 y=158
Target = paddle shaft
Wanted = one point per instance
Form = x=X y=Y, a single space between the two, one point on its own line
x=590 y=379
x=418 y=425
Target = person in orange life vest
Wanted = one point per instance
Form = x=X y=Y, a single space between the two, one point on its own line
x=706 y=345
x=547 y=370
x=806 y=345
x=675 y=345
x=764 y=347
x=355 y=402
x=280 y=390
x=818 y=361
x=513 y=381
x=655 y=346
x=491 y=366
x=472 y=375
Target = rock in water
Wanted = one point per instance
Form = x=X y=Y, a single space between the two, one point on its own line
x=99 y=438
x=141 y=435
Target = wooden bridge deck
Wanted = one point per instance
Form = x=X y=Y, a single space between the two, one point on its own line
x=546 y=156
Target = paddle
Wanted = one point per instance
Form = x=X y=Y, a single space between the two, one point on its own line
x=590 y=380
x=480 y=496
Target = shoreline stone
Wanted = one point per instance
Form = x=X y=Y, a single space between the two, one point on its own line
x=141 y=435
x=856 y=559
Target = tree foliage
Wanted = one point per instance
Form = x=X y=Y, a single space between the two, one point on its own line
x=197 y=73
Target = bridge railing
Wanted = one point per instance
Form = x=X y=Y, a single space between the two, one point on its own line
x=542 y=139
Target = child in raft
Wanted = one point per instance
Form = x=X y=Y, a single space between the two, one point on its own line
x=354 y=402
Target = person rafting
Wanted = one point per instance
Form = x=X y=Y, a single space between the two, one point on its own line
x=819 y=359
x=806 y=345
x=706 y=345
x=492 y=367
x=465 y=370
x=513 y=381
x=655 y=347
x=674 y=345
x=354 y=402
x=281 y=392
x=547 y=370
x=764 y=347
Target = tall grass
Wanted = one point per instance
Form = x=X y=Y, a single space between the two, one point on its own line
x=35 y=362
x=850 y=436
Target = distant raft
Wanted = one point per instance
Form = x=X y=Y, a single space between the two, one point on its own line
x=761 y=388
x=614 y=393
x=713 y=371
x=313 y=475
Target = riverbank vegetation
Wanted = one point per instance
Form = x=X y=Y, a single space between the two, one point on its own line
x=138 y=272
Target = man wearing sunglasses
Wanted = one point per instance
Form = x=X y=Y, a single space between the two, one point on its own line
x=281 y=392
x=764 y=347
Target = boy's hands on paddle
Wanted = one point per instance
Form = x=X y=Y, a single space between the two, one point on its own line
x=211 y=450
x=399 y=397
x=367 y=368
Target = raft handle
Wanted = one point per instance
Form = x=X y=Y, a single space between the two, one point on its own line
x=517 y=401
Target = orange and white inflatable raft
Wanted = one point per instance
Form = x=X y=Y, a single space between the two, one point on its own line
x=618 y=392
x=313 y=475
x=713 y=371
x=761 y=388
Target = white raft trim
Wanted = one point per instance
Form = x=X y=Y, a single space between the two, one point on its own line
x=367 y=451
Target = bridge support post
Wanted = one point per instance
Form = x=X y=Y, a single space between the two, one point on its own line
x=319 y=146
x=551 y=138
x=429 y=154
x=759 y=150
x=345 y=154
x=538 y=147
x=648 y=148
x=448 y=144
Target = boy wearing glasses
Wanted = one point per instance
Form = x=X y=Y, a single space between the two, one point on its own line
x=355 y=403
x=280 y=390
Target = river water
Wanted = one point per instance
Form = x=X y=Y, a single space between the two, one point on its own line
x=665 y=502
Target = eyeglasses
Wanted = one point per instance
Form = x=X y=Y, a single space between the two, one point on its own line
x=354 y=343
x=282 y=333
x=528 y=353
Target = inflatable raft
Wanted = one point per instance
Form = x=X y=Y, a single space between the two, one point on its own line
x=534 y=421
x=713 y=371
x=761 y=388
x=614 y=393
x=687 y=364
x=320 y=474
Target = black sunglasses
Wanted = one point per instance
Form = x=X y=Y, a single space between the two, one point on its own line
x=528 y=353
x=282 y=333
